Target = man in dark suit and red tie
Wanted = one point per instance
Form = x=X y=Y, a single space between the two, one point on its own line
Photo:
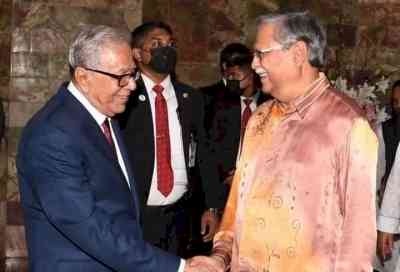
x=230 y=103
x=78 y=190
x=163 y=129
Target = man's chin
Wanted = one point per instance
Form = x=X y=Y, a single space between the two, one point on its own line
x=119 y=109
x=266 y=88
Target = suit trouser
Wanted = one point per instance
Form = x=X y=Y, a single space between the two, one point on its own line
x=168 y=227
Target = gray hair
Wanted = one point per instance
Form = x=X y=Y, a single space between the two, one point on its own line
x=299 y=26
x=85 y=50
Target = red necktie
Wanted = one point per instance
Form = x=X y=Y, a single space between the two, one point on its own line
x=107 y=132
x=245 y=117
x=163 y=146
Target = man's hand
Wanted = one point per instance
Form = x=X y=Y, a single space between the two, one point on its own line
x=209 y=225
x=384 y=245
x=204 y=264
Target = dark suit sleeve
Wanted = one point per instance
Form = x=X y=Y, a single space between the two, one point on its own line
x=61 y=184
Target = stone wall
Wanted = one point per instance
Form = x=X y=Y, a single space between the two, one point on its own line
x=364 y=36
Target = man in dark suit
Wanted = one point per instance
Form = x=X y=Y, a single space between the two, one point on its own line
x=391 y=131
x=163 y=127
x=77 y=189
x=230 y=102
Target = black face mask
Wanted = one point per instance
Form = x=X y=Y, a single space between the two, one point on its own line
x=233 y=85
x=163 y=59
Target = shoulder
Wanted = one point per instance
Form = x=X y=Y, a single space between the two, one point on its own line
x=342 y=105
x=61 y=114
x=339 y=115
x=182 y=87
x=187 y=92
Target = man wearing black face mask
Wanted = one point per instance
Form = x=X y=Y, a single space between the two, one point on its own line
x=229 y=104
x=163 y=125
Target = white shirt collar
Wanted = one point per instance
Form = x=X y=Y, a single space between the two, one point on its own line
x=98 y=116
x=166 y=83
x=254 y=97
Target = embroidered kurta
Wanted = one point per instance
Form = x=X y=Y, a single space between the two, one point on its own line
x=303 y=195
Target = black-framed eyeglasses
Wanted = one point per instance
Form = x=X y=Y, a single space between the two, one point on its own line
x=123 y=80
x=259 y=54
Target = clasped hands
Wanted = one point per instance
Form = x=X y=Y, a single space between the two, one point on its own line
x=212 y=263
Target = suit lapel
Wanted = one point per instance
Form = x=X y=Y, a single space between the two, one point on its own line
x=92 y=131
x=89 y=125
x=122 y=149
x=144 y=117
x=124 y=154
x=183 y=113
x=143 y=111
x=237 y=112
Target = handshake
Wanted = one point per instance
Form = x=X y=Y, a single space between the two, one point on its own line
x=214 y=263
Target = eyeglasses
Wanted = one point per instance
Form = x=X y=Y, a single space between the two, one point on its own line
x=261 y=53
x=123 y=80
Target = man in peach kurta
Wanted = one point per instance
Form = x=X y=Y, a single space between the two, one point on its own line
x=302 y=197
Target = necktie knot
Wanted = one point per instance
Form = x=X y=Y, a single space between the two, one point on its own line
x=107 y=133
x=245 y=118
x=158 y=89
x=106 y=126
x=247 y=101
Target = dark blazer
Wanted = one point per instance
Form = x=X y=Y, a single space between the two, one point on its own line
x=223 y=124
x=79 y=212
x=137 y=126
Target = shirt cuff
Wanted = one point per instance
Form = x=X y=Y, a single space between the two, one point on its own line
x=182 y=266
x=388 y=224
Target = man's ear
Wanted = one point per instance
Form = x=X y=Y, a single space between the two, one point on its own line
x=82 y=78
x=300 y=50
x=137 y=54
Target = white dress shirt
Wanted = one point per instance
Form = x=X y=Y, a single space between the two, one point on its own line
x=253 y=104
x=178 y=164
x=389 y=214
